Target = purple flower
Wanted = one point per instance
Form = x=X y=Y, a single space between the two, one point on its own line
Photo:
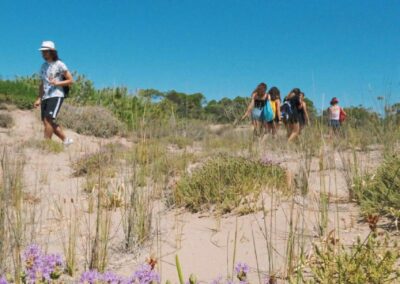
x=90 y=277
x=32 y=257
x=241 y=270
x=52 y=266
x=39 y=266
x=3 y=280
x=242 y=267
x=112 y=278
x=145 y=275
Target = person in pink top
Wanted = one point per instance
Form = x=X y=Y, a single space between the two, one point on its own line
x=334 y=113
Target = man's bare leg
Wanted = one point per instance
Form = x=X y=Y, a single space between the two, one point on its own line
x=48 y=128
x=59 y=132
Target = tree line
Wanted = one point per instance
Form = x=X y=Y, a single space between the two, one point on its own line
x=132 y=107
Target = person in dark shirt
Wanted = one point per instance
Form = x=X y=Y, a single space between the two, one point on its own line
x=256 y=106
x=293 y=123
x=304 y=118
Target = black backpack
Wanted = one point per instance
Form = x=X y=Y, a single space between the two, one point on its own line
x=66 y=89
x=286 y=110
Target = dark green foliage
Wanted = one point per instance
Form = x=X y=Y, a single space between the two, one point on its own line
x=225 y=181
x=359 y=117
x=21 y=92
x=226 y=110
x=311 y=110
x=187 y=106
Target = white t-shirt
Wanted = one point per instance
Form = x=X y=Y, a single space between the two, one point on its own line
x=334 y=113
x=49 y=71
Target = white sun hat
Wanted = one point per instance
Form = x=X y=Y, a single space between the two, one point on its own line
x=47 y=45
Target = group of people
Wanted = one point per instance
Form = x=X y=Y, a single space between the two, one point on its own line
x=266 y=108
x=267 y=111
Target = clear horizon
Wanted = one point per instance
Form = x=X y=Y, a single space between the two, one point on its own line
x=218 y=48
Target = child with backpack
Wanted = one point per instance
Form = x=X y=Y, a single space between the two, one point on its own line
x=290 y=112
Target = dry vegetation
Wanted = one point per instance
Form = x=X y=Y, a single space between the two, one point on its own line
x=187 y=165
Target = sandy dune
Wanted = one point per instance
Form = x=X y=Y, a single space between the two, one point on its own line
x=204 y=243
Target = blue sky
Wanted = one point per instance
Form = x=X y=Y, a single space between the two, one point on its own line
x=348 y=49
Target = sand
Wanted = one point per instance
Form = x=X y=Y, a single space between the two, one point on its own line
x=204 y=242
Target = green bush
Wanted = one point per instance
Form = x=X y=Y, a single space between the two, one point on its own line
x=225 y=181
x=371 y=261
x=21 y=92
x=90 y=120
x=380 y=193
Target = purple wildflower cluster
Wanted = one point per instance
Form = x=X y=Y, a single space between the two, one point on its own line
x=3 y=280
x=144 y=275
x=40 y=266
x=93 y=276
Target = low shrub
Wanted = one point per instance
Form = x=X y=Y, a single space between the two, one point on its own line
x=90 y=120
x=380 y=193
x=21 y=92
x=371 y=261
x=225 y=181
x=6 y=120
x=103 y=160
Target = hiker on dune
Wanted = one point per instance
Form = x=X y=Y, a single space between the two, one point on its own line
x=293 y=104
x=336 y=116
x=304 y=118
x=55 y=77
x=256 y=107
x=275 y=98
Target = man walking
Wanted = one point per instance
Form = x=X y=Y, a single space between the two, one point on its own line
x=54 y=77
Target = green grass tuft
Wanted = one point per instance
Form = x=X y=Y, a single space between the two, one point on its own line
x=225 y=182
x=47 y=145
x=380 y=193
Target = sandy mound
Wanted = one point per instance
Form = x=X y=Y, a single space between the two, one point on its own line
x=205 y=244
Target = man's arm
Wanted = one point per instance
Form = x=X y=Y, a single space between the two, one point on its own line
x=66 y=82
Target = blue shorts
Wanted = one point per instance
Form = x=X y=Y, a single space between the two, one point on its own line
x=257 y=114
x=334 y=123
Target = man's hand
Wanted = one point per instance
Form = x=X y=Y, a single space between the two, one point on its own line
x=53 y=82
x=36 y=104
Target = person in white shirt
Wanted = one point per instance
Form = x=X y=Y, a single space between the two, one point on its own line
x=334 y=116
x=54 y=77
